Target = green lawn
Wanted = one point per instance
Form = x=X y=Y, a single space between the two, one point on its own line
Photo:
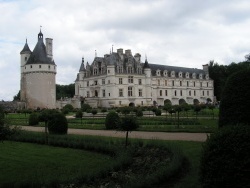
x=21 y=162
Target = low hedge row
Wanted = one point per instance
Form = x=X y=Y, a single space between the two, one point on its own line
x=113 y=147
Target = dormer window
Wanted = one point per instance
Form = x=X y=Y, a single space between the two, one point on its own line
x=158 y=73
x=187 y=75
x=207 y=76
x=95 y=71
x=130 y=70
x=194 y=75
x=172 y=74
x=165 y=73
x=180 y=74
x=200 y=76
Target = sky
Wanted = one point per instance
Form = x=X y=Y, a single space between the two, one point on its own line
x=179 y=33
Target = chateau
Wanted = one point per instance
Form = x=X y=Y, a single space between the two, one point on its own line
x=121 y=79
x=38 y=73
x=115 y=80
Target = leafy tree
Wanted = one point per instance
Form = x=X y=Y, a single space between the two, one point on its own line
x=126 y=110
x=167 y=107
x=79 y=114
x=128 y=124
x=186 y=107
x=178 y=109
x=17 y=96
x=211 y=107
x=63 y=91
x=197 y=109
x=69 y=107
x=234 y=106
x=112 y=120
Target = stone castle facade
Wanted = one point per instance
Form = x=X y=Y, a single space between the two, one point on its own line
x=38 y=75
x=122 y=79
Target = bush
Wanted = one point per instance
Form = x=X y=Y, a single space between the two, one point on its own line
x=157 y=112
x=69 y=107
x=33 y=119
x=85 y=107
x=58 y=124
x=139 y=113
x=235 y=103
x=112 y=120
x=79 y=114
x=225 y=160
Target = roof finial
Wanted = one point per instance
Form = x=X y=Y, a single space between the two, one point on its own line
x=82 y=59
x=26 y=40
x=112 y=48
x=40 y=28
x=95 y=54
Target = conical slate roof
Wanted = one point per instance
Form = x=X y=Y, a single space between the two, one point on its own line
x=26 y=48
x=39 y=54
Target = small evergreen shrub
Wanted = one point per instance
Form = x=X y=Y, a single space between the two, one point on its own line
x=112 y=120
x=157 y=112
x=85 y=107
x=139 y=113
x=79 y=114
x=33 y=119
x=225 y=160
x=58 y=124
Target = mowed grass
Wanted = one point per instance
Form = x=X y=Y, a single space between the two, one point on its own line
x=22 y=162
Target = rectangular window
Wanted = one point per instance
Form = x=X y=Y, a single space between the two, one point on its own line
x=207 y=93
x=108 y=81
x=120 y=92
x=130 y=79
x=130 y=91
x=166 y=82
x=103 y=81
x=160 y=92
x=194 y=93
x=120 y=80
x=130 y=70
x=207 y=84
x=180 y=83
x=175 y=93
x=140 y=92
x=142 y=103
x=203 y=93
x=200 y=84
x=187 y=84
x=87 y=83
x=120 y=102
x=95 y=82
x=166 y=92
x=189 y=93
x=87 y=93
x=159 y=82
x=194 y=84
x=40 y=66
x=181 y=92
x=139 y=81
x=173 y=83
x=103 y=92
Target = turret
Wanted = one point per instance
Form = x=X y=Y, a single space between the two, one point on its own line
x=25 y=54
x=147 y=69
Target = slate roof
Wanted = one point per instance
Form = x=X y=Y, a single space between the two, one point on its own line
x=39 y=54
x=155 y=67
x=25 y=48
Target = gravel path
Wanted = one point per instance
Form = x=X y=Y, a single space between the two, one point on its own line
x=199 y=137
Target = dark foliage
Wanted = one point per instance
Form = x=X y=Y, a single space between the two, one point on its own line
x=235 y=103
x=85 y=107
x=79 y=114
x=157 y=112
x=63 y=91
x=112 y=120
x=139 y=113
x=33 y=119
x=225 y=158
x=58 y=124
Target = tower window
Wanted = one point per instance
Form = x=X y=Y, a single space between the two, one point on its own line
x=25 y=58
x=40 y=66
x=31 y=66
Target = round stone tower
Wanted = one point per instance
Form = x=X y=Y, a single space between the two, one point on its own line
x=38 y=75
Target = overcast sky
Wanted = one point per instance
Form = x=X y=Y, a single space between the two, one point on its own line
x=184 y=33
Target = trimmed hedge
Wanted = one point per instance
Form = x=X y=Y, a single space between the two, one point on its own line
x=225 y=160
x=235 y=103
x=112 y=120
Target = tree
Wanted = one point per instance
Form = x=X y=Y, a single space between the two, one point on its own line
x=211 y=107
x=126 y=110
x=79 y=114
x=33 y=119
x=128 y=124
x=186 y=107
x=63 y=91
x=167 y=107
x=157 y=112
x=178 y=109
x=94 y=112
x=197 y=109
x=234 y=106
x=112 y=120
x=17 y=96
x=85 y=107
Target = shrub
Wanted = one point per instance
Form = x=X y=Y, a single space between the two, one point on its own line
x=33 y=119
x=157 y=112
x=94 y=112
x=79 y=114
x=112 y=120
x=225 y=160
x=139 y=113
x=235 y=103
x=58 y=124
x=85 y=107
x=69 y=107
